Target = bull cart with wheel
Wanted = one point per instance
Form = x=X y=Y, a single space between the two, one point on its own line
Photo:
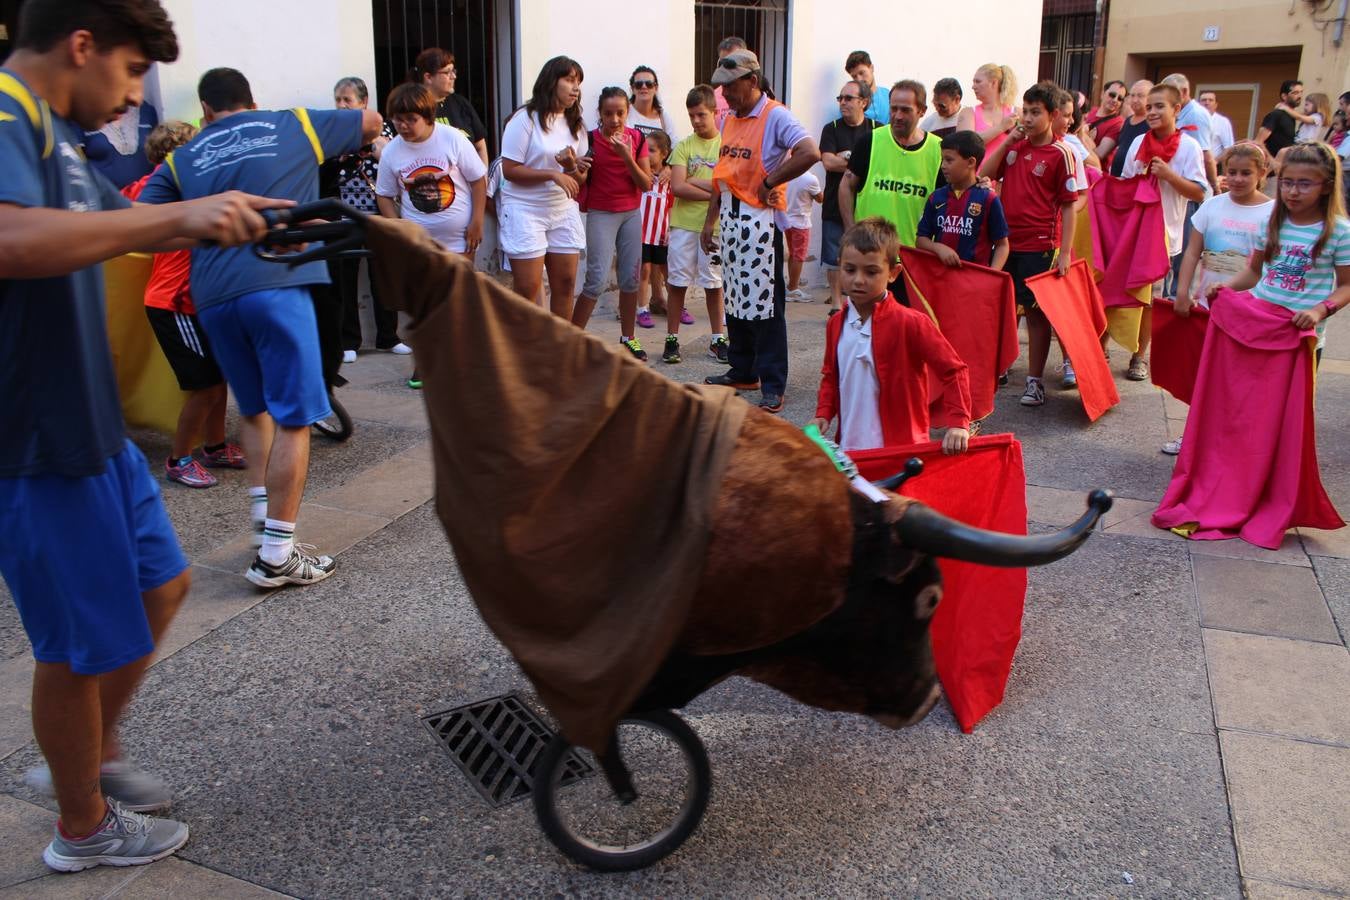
x=770 y=564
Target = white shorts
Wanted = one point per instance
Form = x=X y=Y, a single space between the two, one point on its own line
x=525 y=231
x=687 y=265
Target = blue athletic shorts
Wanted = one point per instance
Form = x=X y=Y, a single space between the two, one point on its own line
x=267 y=344
x=77 y=553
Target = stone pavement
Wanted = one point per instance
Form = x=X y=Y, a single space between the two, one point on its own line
x=1176 y=723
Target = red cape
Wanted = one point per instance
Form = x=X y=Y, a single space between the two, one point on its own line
x=979 y=621
x=975 y=309
x=1248 y=463
x=1177 y=343
x=1074 y=307
x=1129 y=238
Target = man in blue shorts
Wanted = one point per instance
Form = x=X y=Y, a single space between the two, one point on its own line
x=259 y=316
x=86 y=548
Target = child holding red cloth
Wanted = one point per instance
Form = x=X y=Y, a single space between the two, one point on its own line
x=880 y=356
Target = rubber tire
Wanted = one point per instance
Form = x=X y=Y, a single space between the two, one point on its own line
x=553 y=758
x=345 y=427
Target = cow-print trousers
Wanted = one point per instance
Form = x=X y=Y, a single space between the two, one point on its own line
x=756 y=295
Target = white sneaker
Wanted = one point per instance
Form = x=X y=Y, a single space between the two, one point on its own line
x=1034 y=395
x=349 y=356
x=401 y=349
x=798 y=296
x=1172 y=447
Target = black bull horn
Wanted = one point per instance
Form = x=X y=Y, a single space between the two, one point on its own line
x=923 y=528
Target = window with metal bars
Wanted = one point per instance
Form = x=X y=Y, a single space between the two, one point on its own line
x=478 y=33
x=1067 y=47
x=762 y=23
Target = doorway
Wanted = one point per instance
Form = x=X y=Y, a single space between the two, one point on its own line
x=480 y=34
x=762 y=23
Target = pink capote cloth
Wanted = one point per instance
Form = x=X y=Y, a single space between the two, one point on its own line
x=1129 y=239
x=1248 y=464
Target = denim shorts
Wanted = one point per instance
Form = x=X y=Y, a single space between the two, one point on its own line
x=77 y=553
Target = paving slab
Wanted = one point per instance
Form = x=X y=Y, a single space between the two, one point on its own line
x=16 y=703
x=331 y=530
x=28 y=829
x=1319 y=542
x=1262 y=598
x=297 y=723
x=1290 y=551
x=1334 y=577
x=215 y=597
x=1290 y=815
x=1054 y=506
x=168 y=878
x=1280 y=686
x=388 y=490
x=1258 y=889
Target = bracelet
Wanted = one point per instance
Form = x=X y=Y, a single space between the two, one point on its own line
x=767 y=186
x=1330 y=307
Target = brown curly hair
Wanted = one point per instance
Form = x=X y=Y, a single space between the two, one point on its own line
x=167 y=137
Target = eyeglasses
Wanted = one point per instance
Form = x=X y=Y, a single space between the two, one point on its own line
x=1301 y=186
x=644 y=83
x=448 y=70
x=842 y=97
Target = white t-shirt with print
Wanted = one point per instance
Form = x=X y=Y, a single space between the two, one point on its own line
x=531 y=144
x=1189 y=163
x=430 y=179
x=1232 y=233
x=800 y=194
x=648 y=124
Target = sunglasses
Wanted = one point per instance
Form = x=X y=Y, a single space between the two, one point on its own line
x=644 y=83
x=1115 y=96
x=842 y=97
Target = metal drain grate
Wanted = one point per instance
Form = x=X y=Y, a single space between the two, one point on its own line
x=495 y=742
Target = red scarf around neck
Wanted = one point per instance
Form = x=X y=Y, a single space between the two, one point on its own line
x=1151 y=148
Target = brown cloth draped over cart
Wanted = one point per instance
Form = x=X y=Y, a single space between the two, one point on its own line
x=558 y=475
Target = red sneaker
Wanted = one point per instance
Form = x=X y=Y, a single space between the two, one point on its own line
x=228 y=457
x=189 y=473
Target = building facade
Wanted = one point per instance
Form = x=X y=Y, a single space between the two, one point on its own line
x=1242 y=49
x=294 y=50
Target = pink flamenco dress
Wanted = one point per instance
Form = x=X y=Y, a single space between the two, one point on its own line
x=1248 y=463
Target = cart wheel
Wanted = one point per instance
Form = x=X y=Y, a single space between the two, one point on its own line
x=338 y=426
x=641 y=804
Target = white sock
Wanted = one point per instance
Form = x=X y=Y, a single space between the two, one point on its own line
x=1031 y=378
x=257 y=503
x=278 y=541
x=671 y=334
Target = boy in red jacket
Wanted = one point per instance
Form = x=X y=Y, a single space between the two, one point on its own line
x=879 y=356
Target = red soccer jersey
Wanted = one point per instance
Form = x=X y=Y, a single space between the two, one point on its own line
x=1036 y=182
x=168 y=284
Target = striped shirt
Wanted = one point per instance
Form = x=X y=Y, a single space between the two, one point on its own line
x=655 y=208
x=1294 y=279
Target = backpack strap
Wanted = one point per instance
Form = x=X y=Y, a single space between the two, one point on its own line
x=308 y=128
x=39 y=113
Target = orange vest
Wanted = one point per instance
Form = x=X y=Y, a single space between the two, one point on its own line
x=740 y=167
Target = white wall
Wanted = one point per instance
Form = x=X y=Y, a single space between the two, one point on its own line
x=587 y=32
x=292 y=51
x=922 y=41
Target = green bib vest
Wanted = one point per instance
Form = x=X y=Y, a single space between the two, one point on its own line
x=899 y=182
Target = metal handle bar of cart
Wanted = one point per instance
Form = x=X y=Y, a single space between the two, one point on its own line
x=339 y=230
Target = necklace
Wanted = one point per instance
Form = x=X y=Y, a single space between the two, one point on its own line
x=124 y=132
